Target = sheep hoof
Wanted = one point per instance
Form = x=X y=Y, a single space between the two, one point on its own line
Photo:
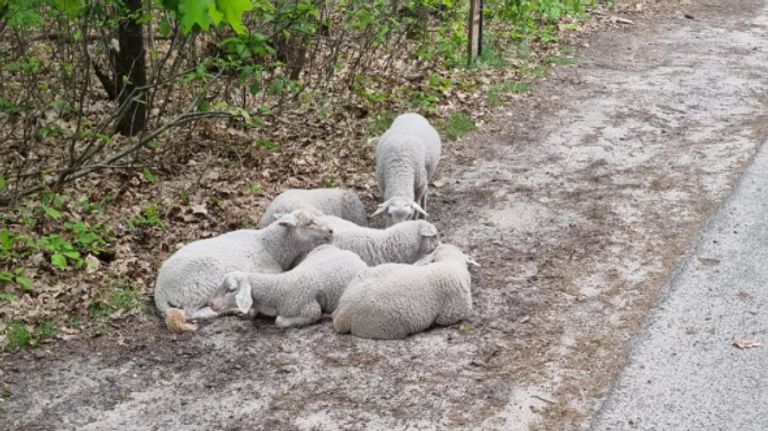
x=176 y=321
x=341 y=324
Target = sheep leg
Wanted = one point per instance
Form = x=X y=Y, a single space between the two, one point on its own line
x=268 y=311
x=421 y=199
x=202 y=313
x=309 y=314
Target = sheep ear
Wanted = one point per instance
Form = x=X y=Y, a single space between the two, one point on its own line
x=471 y=260
x=380 y=209
x=243 y=299
x=288 y=220
x=419 y=209
x=428 y=230
x=277 y=216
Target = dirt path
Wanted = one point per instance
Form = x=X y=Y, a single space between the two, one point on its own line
x=578 y=203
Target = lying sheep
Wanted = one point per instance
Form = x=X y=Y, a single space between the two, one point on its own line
x=392 y=301
x=298 y=297
x=188 y=278
x=337 y=202
x=406 y=160
x=401 y=243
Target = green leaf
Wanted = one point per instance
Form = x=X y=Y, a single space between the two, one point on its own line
x=71 y=254
x=204 y=106
x=233 y=11
x=59 y=261
x=72 y=8
x=6 y=276
x=7 y=297
x=25 y=283
x=52 y=213
x=149 y=176
x=2 y=182
x=195 y=12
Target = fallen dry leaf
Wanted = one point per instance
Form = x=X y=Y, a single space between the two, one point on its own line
x=199 y=209
x=438 y=183
x=708 y=261
x=746 y=343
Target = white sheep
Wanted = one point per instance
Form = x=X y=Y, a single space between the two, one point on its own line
x=188 y=278
x=298 y=297
x=401 y=243
x=394 y=300
x=406 y=160
x=338 y=202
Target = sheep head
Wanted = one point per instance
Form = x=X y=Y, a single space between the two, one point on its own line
x=305 y=226
x=233 y=294
x=448 y=252
x=400 y=209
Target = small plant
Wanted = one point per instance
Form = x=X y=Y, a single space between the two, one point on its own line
x=150 y=177
x=268 y=144
x=255 y=189
x=184 y=196
x=458 y=125
x=149 y=216
x=17 y=277
x=63 y=252
x=89 y=239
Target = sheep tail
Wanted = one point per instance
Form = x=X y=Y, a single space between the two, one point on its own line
x=176 y=321
x=341 y=323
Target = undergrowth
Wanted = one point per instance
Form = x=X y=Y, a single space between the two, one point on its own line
x=293 y=78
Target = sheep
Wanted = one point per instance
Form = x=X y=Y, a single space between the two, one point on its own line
x=406 y=160
x=188 y=278
x=393 y=301
x=297 y=297
x=401 y=243
x=338 y=202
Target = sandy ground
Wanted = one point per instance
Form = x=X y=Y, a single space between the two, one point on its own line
x=578 y=204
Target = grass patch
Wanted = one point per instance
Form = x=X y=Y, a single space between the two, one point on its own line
x=496 y=93
x=516 y=87
x=560 y=60
x=18 y=335
x=536 y=72
x=458 y=125
x=120 y=297
x=381 y=123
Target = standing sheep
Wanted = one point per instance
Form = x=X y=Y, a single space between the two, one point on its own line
x=298 y=297
x=188 y=278
x=337 y=202
x=392 y=301
x=406 y=160
x=404 y=242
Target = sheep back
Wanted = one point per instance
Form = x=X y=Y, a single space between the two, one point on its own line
x=342 y=203
x=392 y=301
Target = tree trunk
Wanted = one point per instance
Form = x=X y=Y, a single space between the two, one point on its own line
x=130 y=72
x=473 y=48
